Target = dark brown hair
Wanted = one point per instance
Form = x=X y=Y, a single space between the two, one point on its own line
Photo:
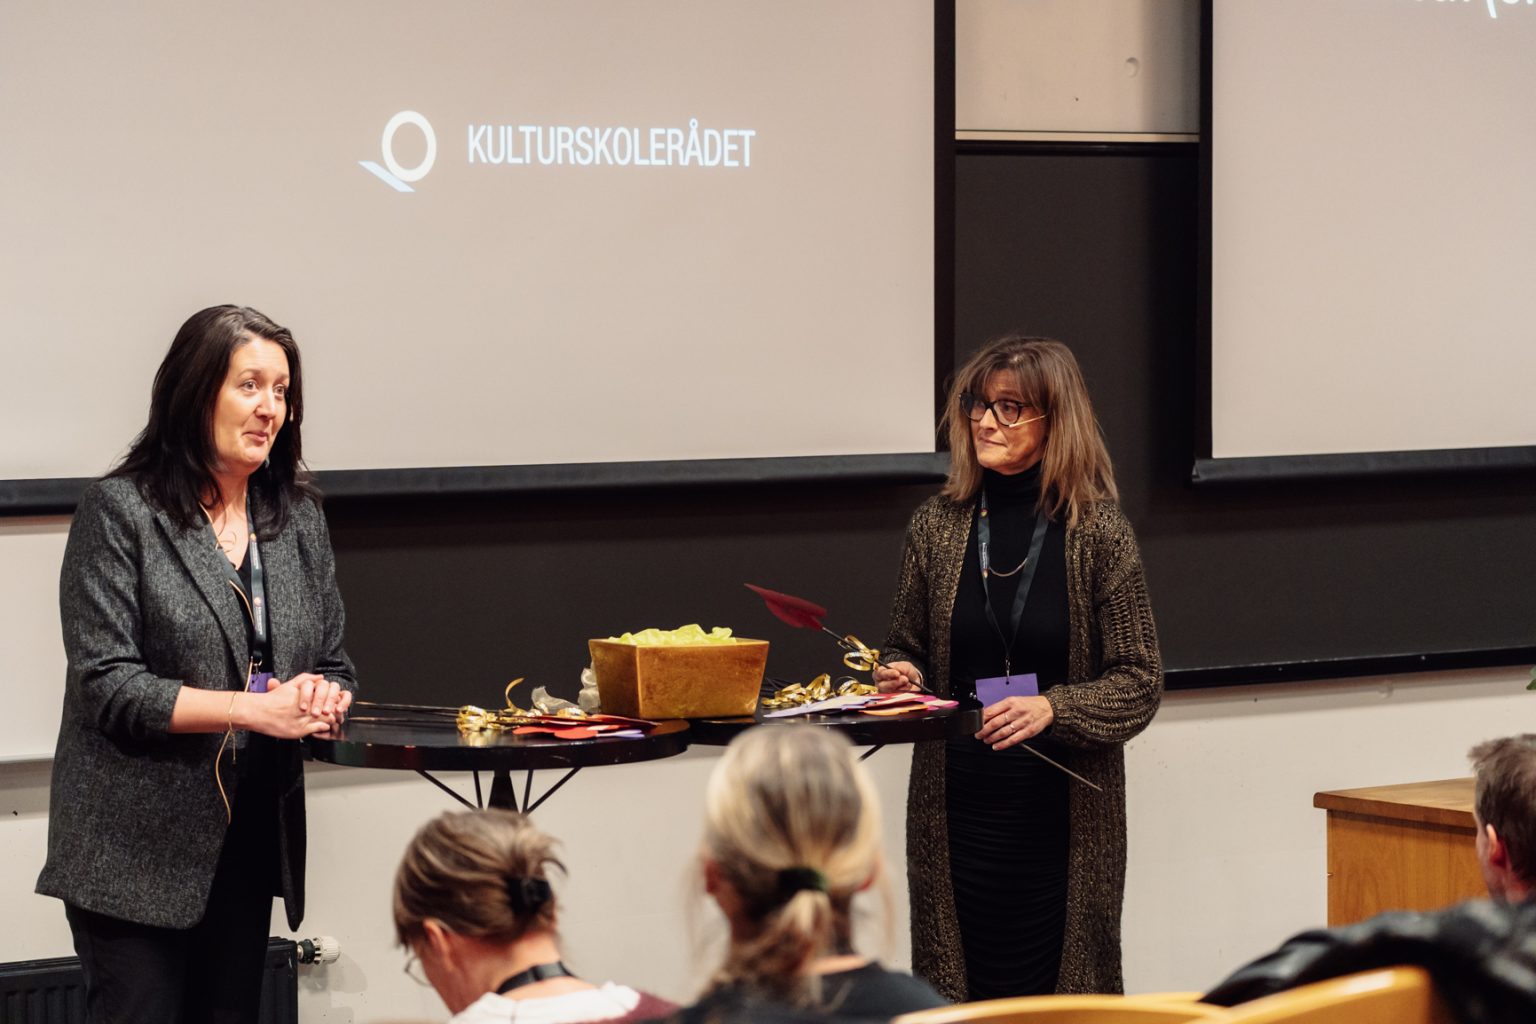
x=173 y=458
x=1506 y=797
x=1075 y=470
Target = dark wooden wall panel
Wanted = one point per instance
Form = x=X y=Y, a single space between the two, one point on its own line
x=449 y=600
x=1098 y=246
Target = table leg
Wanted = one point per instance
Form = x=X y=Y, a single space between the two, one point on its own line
x=548 y=792
x=445 y=789
x=502 y=793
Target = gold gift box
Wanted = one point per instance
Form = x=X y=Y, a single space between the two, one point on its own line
x=679 y=680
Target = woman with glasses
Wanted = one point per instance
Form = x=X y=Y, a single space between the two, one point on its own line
x=791 y=836
x=1021 y=584
x=475 y=909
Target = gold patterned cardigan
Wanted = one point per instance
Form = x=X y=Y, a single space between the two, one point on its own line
x=1116 y=681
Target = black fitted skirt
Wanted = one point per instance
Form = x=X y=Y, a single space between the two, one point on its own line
x=1008 y=861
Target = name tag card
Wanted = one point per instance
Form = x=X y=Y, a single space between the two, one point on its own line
x=991 y=690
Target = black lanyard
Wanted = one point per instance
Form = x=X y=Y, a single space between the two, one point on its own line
x=256 y=601
x=538 y=972
x=983 y=548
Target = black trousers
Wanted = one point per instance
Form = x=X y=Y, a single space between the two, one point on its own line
x=207 y=974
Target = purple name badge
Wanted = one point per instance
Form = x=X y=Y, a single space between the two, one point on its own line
x=990 y=691
x=259 y=681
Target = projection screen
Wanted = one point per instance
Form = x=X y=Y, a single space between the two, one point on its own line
x=504 y=233
x=1372 y=216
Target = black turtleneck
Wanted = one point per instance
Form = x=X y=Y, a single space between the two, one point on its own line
x=1043 y=637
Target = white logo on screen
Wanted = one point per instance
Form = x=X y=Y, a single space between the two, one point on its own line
x=392 y=174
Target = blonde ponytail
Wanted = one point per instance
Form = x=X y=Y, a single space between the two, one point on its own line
x=792 y=823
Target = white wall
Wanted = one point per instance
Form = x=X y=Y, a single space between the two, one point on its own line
x=1227 y=852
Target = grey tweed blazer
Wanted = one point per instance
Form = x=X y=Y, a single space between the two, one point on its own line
x=136 y=823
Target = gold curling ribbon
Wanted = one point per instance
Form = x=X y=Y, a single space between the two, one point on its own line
x=859 y=657
x=820 y=688
x=477 y=721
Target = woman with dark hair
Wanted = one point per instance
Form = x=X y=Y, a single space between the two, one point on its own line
x=203 y=631
x=475 y=908
x=791 y=836
x=1021 y=583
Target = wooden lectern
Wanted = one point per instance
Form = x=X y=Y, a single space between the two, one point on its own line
x=1407 y=847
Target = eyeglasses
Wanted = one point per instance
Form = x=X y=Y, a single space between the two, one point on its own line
x=413 y=969
x=1006 y=411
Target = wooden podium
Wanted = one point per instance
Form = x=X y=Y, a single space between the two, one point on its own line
x=1408 y=847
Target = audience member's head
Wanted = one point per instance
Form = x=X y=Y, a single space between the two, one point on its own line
x=473 y=901
x=1505 y=811
x=791 y=833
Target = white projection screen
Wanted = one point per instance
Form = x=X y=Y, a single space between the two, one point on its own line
x=503 y=232
x=1373 y=228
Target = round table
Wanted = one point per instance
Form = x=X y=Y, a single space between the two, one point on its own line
x=873 y=731
x=424 y=740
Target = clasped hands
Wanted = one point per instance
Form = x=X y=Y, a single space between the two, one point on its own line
x=305 y=705
x=1007 y=723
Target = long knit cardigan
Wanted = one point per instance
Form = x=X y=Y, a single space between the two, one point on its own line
x=1115 y=682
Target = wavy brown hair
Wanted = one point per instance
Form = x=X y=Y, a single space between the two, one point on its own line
x=173 y=458
x=1075 y=470
x=483 y=874
x=790 y=798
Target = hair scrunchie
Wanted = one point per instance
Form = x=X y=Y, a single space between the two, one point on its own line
x=528 y=895
x=799 y=879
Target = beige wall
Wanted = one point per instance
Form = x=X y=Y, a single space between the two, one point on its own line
x=1227 y=853
x=1074 y=68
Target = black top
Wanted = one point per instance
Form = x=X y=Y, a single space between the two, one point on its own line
x=869 y=992
x=1007 y=810
x=255 y=762
x=1044 y=634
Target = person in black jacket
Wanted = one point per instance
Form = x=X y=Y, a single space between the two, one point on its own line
x=203 y=631
x=1481 y=954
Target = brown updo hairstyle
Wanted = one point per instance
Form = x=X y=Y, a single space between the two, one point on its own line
x=1075 y=470
x=483 y=874
x=792 y=822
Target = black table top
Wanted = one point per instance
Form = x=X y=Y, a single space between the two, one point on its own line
x=861 y=730
x=431 y=742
